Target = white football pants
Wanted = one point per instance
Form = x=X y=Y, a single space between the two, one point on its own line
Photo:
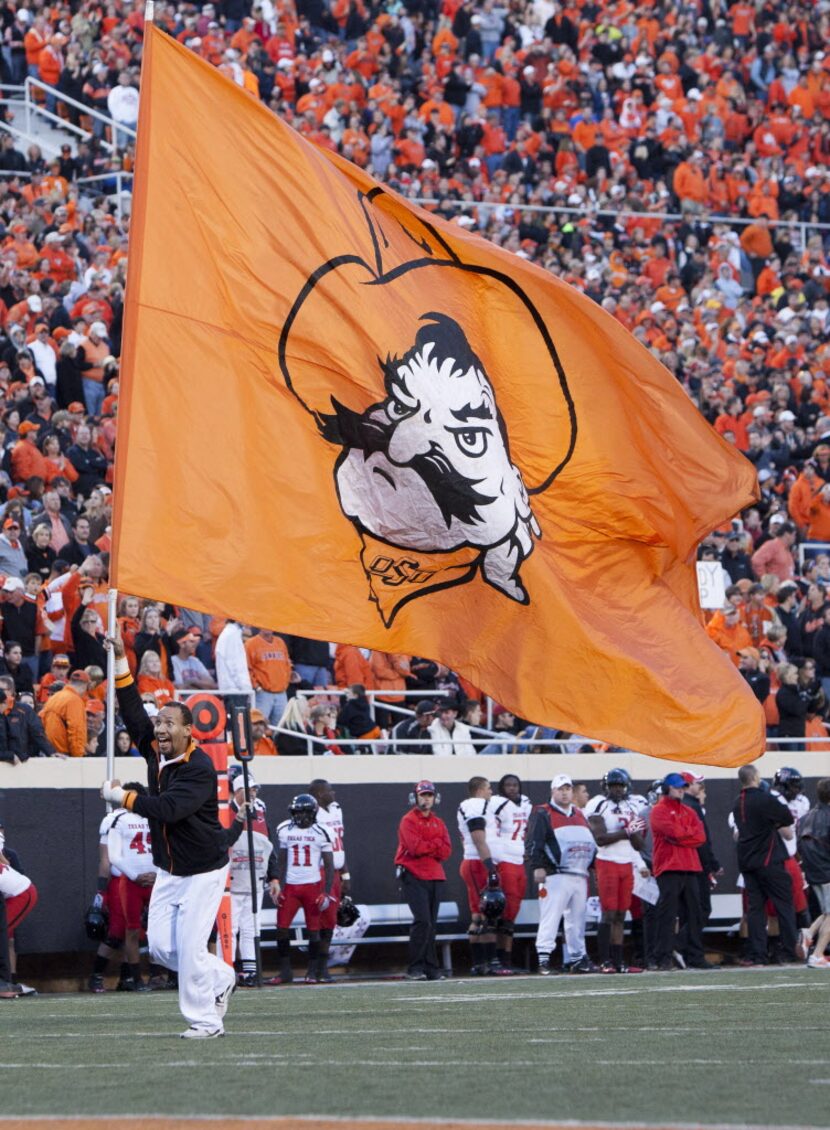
x=244 y=923
x=567 y=898
x=182 y=912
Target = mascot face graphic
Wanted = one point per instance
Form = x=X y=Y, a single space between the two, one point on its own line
x=424 y=471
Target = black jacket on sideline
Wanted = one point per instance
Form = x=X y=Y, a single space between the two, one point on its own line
x=706 y=853
x=758 y=815
x=182 y=806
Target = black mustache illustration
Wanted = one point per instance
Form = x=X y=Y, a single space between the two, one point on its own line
x=371 y=432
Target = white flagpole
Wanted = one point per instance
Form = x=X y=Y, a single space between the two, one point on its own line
x=112 y=609
x=112 y=602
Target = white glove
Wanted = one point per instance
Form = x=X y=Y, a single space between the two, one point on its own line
x=113 y=793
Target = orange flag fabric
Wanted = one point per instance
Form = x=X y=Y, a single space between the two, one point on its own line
x=344 y=418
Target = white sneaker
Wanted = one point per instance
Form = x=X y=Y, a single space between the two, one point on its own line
x=804 y=945
x=818 y=961
x=223 y=999
x=201 y=1033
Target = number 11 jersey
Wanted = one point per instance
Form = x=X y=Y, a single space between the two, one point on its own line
x=305 y=847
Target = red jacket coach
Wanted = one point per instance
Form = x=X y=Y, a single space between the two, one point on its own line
x=677 y=832
x=423 y=845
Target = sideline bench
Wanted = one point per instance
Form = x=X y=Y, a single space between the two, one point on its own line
x=390 y=924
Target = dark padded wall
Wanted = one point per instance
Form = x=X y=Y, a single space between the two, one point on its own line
x=55 y=833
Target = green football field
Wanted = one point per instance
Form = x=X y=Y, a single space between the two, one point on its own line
x=730 y=1047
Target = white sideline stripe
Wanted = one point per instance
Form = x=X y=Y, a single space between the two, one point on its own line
x=709 y=987
x=256 y=1059
x=561 y=1124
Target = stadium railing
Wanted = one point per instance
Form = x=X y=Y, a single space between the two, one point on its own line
x=589 y=208
x=509 y=744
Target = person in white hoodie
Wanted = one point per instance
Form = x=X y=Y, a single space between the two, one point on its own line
x=232 y=674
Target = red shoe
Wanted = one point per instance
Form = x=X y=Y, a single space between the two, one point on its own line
x=630 y=969
x=608 y=967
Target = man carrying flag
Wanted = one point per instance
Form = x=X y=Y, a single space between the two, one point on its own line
x=190 y=850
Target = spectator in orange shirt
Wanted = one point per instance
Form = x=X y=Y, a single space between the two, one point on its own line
x=152 y=681
x=26 y=459
x=802 y=493
x=389 y=673
x=350 y=662
x=263 y=745
x=729 y=633
x=775 y=556
x=64 y=716
x=819 y=516
x=690 y=184
x=270 y=667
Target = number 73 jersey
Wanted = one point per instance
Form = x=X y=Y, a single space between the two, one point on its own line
x=511 y=819
x=305 y=847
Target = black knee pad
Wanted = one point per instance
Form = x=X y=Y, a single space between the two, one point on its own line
x=505 y=927
x=114 y=943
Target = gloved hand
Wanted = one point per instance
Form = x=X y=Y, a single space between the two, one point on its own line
x=636 y=826
x=324 y=901
x=98 y=900
x=112 y=791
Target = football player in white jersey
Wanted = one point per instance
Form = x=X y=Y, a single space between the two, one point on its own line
x=129 y=850
x=479 y=870
x=615 y=819
x=107 y=901
x=304 y=849
x=788 y=786
x=512 y=811
x=330 y=816
x=244 y=921
x=20 y=896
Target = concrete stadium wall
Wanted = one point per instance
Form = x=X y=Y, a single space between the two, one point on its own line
x=51 y=811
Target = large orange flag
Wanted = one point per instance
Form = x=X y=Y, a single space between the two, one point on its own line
x=345 y=419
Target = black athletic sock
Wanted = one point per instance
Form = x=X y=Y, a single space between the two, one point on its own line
x=802 y=919
x=100 y=964
x=124 y=973
x=604 y=941
x=617 y=955
x=135 y=973
x=505 y=957
x=477 y=951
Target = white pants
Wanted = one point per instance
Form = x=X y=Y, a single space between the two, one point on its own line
x=244 y=923
x=182 y=912
x=567 y=897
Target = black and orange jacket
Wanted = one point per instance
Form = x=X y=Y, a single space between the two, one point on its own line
x=181 y=804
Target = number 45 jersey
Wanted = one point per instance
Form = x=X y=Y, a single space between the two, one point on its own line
x=129 y=846
x=305 y=847
x=511 y=820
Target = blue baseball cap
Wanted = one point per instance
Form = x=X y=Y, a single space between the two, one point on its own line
x=675 y=781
